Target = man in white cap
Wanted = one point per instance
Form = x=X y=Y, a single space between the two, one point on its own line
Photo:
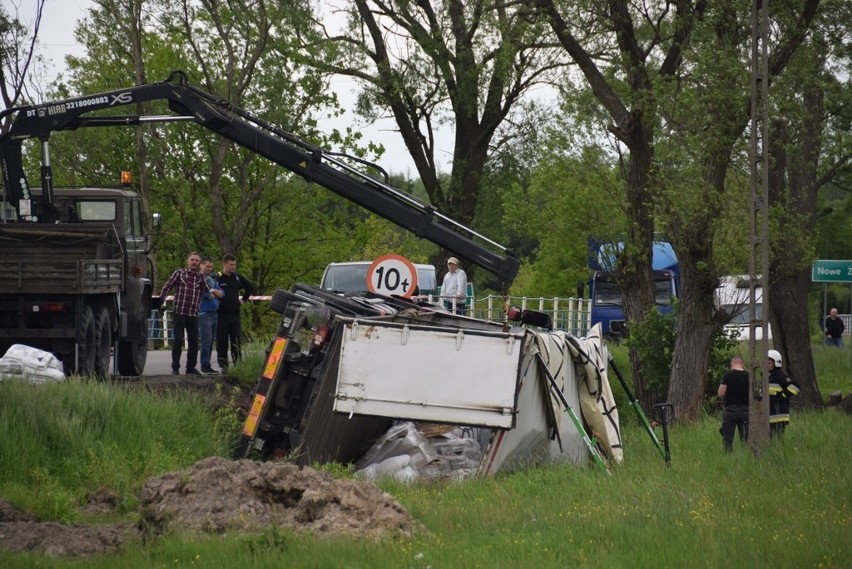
x=454 y=287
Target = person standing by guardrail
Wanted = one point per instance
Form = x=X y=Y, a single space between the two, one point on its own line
x=454 y=287
x=188 y=283
x=208 y=314
x=228 y=326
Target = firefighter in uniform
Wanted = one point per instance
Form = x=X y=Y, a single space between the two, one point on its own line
x=782 y=387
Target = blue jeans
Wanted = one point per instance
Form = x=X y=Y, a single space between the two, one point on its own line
x=207 y=331
x=836 y=342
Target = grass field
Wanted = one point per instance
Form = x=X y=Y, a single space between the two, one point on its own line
x=788 y=508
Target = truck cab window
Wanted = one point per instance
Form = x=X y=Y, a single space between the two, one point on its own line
x=128 y=219
x=96 y=210
x=663 y=292
x=136 y=213
x=608 y=293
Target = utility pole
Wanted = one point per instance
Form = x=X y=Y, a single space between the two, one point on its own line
x=759 y=251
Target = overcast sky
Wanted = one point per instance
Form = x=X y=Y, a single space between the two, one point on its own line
x=56 y=37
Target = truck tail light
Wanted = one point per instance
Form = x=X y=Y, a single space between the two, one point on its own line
x=52 y=307
x=320 y=337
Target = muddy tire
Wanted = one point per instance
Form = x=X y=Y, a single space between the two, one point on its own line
x=103 y=342
x=86 y=343
x=132 y=356
x=280 y=299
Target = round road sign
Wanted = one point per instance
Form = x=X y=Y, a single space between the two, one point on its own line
x=392 y=274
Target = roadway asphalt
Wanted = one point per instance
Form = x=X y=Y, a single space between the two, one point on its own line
x=159 y=362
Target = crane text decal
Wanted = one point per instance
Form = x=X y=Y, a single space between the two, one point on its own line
x=60 y=108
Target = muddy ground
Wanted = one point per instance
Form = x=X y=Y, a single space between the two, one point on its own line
x=216 y=496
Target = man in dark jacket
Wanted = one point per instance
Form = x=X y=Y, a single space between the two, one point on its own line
x=228 y=326
x=834 y=329
x=782 y=388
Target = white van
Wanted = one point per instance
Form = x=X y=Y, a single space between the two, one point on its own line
x=352 y=277
x=732 y=296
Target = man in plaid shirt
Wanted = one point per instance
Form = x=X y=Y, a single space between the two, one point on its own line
x=188 y=284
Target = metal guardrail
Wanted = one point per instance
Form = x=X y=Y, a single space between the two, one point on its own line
x=573 y=315
x=158 y=328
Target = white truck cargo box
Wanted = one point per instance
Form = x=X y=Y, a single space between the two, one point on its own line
x=440 y=375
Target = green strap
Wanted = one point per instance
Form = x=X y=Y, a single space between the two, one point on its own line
x=637 y=407
x=574 y=419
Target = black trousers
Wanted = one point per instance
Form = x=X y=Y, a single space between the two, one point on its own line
x=734 y=418
x=228 y=335
x=188 y=325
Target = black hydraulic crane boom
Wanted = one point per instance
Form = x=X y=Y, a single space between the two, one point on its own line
x=189 y=103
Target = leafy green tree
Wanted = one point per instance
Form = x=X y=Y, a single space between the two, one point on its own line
x=622 y=53
x=214 y=197
x=807 y=153
x=428 y=65
x=17 y=57
x=573 y=194
x=673 y=82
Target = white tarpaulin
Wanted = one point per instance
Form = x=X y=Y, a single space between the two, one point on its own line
x=543 y=429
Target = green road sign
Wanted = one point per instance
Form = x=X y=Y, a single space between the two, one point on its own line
x=831 y=271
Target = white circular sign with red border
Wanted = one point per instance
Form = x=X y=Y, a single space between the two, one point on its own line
x=392 y=275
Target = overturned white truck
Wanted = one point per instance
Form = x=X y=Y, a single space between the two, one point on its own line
x=351 y=378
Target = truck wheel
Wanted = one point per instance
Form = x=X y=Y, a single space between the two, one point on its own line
x=86 y=341
x=103 y=342
x=280 y=299
x=132 y=355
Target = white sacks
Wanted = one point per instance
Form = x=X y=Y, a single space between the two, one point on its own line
x=32 y=364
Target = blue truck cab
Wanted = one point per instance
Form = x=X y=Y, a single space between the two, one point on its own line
x=607 y=303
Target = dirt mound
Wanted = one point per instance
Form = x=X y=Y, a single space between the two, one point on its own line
x=216 y=495
x=20 y=531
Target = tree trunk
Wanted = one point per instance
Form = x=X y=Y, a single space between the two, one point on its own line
x=793 y=185
x=633 y=270
x=789 y=316
x=698 y=321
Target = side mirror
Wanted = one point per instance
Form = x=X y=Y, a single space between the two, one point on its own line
x=156 y=221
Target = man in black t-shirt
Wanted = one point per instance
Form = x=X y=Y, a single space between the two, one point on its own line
x=734 y=389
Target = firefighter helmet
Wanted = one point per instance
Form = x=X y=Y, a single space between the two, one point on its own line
x=775 y=356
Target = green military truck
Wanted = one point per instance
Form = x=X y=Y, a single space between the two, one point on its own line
x=79 y=286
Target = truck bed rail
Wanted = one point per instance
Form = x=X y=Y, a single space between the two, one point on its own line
x=43 y=276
